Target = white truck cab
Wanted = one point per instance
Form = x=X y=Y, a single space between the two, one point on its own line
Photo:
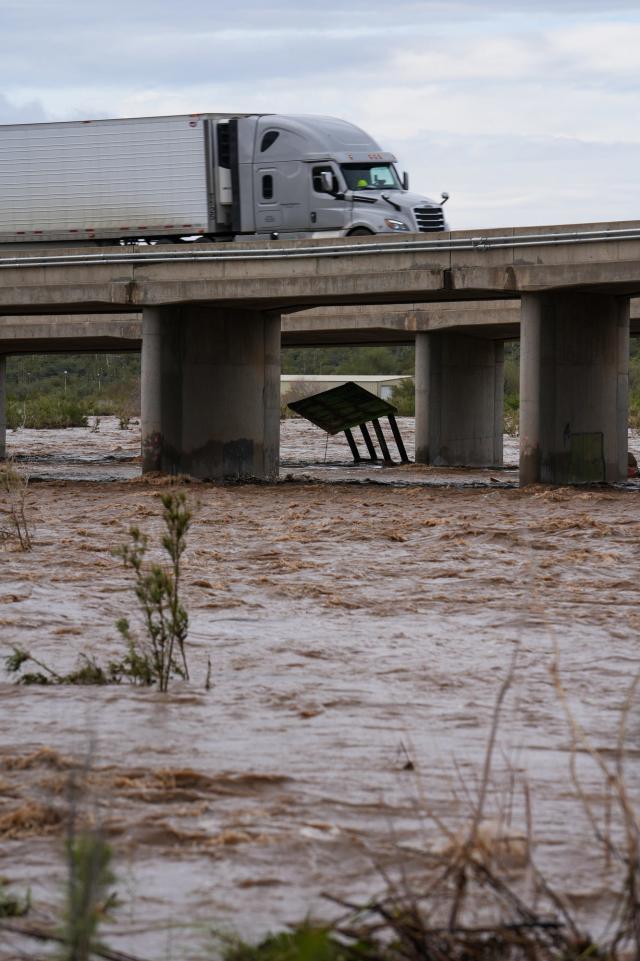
x=321 y=176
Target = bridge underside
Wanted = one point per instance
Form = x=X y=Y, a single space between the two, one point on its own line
x=211 y=377
x=325 y=326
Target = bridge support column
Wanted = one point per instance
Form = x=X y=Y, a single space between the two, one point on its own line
x=574 y=379
x=3 y=407
x=211 y=392
x=459 y=400
x=151 y=389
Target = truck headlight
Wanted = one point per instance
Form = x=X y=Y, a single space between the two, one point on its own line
x=395 y=224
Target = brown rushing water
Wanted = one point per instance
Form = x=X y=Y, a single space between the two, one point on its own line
x=348 y=626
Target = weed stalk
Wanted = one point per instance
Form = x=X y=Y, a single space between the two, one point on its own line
x=14 y=490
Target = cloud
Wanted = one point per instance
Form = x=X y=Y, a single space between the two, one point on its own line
x=31 y=111
x=506 y=180
x=482 y=99
x=606 y=49
x=505 y=58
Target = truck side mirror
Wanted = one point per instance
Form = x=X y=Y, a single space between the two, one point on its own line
x=405 y=181
x=445 y=196
x=326 y=181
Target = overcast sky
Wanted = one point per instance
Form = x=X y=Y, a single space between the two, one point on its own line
x=527 y=112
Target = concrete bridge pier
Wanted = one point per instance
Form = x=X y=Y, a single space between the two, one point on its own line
x=574 y=379
x=3 y=406
x=459 y=400
x=211 y=392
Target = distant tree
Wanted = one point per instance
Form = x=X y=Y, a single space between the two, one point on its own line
x=95 y=384
x=348 y=360
x=403 y=397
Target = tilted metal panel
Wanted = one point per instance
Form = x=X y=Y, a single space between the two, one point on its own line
x=102 y=176
x=340 y=408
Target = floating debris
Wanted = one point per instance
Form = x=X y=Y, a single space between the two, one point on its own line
x=350 y=405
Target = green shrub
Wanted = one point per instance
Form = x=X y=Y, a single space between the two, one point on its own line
x=13 y=905
x=89 y=894
x=511 y=423
x=160 y=653
x=49 y=411
x=86 y=671
x=305 y=943
x=403 y=396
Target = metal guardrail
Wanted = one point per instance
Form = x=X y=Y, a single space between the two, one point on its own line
x=156 y=256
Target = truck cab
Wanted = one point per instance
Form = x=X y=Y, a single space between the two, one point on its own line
x=301 y=176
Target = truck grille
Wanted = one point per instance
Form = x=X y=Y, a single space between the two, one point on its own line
x=429 y=218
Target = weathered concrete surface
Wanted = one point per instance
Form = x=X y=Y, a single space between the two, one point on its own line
x=151 y=386
x=321 y=326
x=260 y=283
x=390 y=274
x=459 y=400
x=399 y=323
x=70 y=332
x=610 y=263
x=211 y=393
x=574 y=372
x=380 y=324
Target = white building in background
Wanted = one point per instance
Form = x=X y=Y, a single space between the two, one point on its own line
x=296 y=386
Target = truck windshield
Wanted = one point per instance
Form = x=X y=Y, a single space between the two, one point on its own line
x=371 y=177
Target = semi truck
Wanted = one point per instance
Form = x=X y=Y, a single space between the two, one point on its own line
x=208 y=175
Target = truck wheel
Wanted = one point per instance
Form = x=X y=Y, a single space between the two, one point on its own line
x=360 y=232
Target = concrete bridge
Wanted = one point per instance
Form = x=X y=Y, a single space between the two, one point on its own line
x=211 y=337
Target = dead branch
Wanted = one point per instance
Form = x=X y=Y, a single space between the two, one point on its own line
x=38 y=933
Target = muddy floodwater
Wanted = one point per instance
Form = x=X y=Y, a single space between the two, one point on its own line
x=358 y=623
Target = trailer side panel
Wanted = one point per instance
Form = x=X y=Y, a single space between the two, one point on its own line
x=105 y=178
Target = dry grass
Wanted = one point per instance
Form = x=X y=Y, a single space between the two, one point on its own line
x=487 y=900
x=31 y=819
x=15 y=524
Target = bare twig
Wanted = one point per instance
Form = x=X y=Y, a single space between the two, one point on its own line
x=39 y=933
x=14 y=489
x=467 y=847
